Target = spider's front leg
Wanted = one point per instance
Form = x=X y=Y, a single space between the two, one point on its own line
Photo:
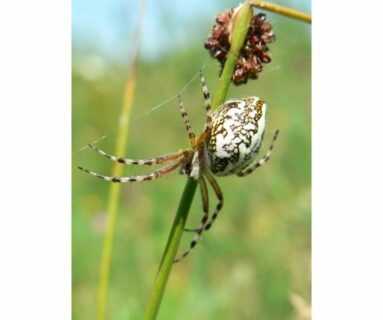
x=188 y=126
x=206 y=98
x=142 y=162
x=151 y=176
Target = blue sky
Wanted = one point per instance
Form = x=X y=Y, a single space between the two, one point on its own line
x=105 y=27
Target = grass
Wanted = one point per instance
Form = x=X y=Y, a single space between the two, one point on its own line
x=115 y=188
x=258 y=252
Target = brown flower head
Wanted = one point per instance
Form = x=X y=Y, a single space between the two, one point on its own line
x=254 y=52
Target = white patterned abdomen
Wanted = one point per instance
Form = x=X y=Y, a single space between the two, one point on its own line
x=237 y=133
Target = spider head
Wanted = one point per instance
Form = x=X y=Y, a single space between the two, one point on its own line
x=191 y=165
x=186 y=165
x=185 y=168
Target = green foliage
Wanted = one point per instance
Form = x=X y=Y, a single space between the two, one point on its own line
x=258 y=251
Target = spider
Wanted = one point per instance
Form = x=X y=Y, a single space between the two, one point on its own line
x=229 y=144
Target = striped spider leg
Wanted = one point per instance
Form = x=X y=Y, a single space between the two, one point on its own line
x=262 y=161
x=177 y=157
x=205 y=223
x=205 y=217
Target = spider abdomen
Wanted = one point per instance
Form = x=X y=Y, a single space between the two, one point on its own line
x=236 y=136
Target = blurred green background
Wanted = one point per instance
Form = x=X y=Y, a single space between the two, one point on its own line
x=255 y=262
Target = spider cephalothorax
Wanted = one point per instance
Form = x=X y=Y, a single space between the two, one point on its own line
x=229 y=144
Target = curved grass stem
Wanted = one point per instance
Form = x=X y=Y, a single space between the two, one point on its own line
x=291 y=13
x=114 y=195
x=115 y=188
x=240 y=29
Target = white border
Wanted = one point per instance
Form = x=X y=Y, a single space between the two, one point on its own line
x=347 y=161
x=35 y=161
x=35 y=238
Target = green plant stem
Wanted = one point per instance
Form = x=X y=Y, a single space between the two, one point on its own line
x=171 y=249
x=115 y=188
x=240 y=28
x=291 y=13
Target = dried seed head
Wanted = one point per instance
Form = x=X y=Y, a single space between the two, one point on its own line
x=254 y=52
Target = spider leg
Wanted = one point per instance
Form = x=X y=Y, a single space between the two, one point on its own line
x=218 y=208
x=147 y=162
x=206 y=97
x=151 y=176
x=262 y=161
x=205 y=205
x=188 y=126
x=205 y=217
x=219 y=196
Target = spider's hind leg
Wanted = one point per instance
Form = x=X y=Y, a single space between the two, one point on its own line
x=218 y=207
x=262 y=161
x=205 y=217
